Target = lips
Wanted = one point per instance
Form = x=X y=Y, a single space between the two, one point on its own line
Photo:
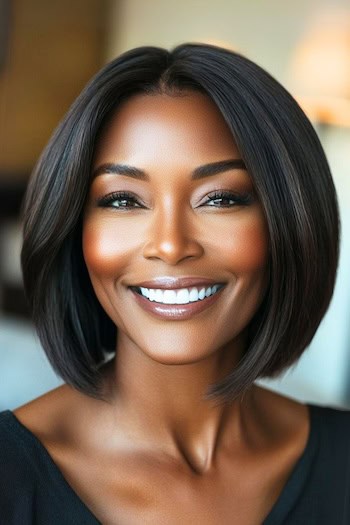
x=179 y=296
x=173 y=283
x=175 y=311
x=179 y=311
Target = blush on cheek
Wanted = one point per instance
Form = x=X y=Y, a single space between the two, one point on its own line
x=255 y=253
x=248 y=246
x=104 y=251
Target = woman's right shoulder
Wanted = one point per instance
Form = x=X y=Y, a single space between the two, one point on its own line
x=32 y=489
x=19 y=467
x=9 y=437
x=25 y=429
x=20 y=431
x=24 y=434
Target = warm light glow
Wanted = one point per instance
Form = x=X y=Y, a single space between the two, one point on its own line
x=220 y=43
x=320 y=69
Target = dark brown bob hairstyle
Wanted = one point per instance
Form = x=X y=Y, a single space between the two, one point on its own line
x=286 y=162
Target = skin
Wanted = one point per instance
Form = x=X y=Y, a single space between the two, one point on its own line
x=160 y=451
x=177 y=235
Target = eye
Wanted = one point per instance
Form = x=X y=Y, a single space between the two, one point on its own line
x=227 y=199
x=120 y=200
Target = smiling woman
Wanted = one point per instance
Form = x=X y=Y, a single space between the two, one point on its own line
x=180 y=242
x=192 y=222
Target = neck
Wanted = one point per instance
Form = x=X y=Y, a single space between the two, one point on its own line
x=165 y=406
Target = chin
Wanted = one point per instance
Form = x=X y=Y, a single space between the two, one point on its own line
x=176 y=358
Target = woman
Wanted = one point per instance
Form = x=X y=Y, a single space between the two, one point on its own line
x=180 y=241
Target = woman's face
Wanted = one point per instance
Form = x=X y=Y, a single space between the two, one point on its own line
x=163 y=218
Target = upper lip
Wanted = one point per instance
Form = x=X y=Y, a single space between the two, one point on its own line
x=172 y=283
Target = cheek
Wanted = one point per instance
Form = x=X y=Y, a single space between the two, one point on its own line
x=105 y=247
x=246 y=244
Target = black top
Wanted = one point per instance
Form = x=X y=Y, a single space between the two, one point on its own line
x=34 y=491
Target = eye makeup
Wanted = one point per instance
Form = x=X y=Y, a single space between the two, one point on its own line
x=217 y=199
x=122 y=197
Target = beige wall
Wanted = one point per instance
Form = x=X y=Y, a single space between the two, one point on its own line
x=265 y=30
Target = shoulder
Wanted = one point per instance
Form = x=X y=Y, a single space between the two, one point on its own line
x=332 y=426
x=331 y=419
x=32 y=489
x=328 y=428
x=333 y=415
x=48 y=416
x=25 y=462
x=284 y=413
x=18 y=470
x=12 y=443
x=25 y=431
x=60 y=421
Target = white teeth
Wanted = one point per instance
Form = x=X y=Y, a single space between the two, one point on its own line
x=193 y=295
x=201 y=294
x=158 y=297
x=169 y=297
x=182 y=296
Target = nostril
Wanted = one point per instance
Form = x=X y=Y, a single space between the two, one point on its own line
x=172 y=251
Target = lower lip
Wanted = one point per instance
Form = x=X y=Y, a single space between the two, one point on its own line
x=176 y=311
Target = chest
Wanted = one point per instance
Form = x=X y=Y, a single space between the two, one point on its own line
x=144 y=490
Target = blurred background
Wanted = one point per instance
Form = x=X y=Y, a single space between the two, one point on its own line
x=48 y=51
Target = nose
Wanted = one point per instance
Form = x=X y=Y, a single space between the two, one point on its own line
x=171 y=238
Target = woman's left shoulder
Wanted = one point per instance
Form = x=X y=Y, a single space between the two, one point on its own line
x=324 y=423
x=331 y=420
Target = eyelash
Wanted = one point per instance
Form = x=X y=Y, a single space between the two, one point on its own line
x=239 y=199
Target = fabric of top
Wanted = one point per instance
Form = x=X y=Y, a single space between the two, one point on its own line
x=33 y=491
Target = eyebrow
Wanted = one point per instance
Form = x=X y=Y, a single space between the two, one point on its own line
x=198 y=173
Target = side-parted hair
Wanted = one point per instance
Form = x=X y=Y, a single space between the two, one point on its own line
x=292 y=179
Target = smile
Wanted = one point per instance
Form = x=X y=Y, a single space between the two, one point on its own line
x=180 y=296
x=190 y=301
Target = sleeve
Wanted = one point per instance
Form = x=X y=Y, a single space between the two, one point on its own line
x=31 y=490
x=17 y=487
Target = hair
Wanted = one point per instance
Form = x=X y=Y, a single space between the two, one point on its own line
x=286 y=162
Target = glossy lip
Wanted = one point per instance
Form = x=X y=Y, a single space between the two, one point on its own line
x=174 y=283
x=178 y=311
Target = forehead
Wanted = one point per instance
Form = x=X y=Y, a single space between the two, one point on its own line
x=187 y=125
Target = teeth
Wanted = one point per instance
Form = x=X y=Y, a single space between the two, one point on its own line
x=182 y=296
x=158 y=296
x=207 y=292
x=201 y=294
x=169 y=297
x=194 y=295
x=145 y=292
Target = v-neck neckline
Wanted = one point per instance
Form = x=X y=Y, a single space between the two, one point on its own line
x=295 y=483
x=280 y=509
